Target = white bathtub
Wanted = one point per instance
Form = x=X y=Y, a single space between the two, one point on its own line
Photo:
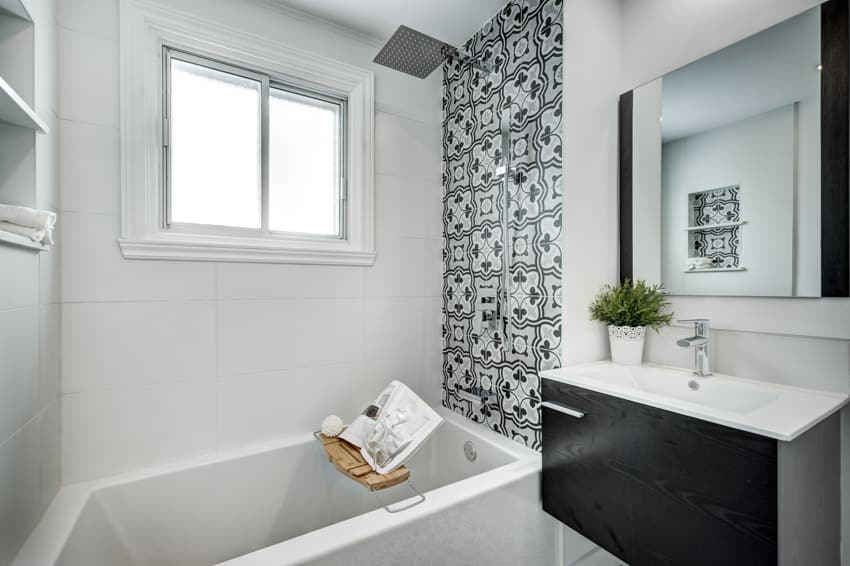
x=284 y=503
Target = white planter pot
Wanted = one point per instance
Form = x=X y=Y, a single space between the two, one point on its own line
x=627 y=344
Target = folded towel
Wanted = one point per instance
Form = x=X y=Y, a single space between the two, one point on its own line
x=29 y=217
x=34 y=234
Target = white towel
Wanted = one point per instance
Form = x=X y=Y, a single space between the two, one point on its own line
x=34 y=234
x=29 y=217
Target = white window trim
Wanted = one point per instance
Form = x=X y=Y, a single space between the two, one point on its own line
x=147 y=26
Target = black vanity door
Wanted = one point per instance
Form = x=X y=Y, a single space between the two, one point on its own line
x=657 y=488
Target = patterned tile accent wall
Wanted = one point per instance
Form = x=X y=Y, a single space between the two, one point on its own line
x=722 y=245
x=523 y=44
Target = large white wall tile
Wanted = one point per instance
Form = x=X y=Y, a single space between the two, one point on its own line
x=90 y=168
x=49 y=354
x=280 y=281
x=392 y=327
x=19 y=489
x=50 y=453
x=18 y=368
x=50 y=270
x=19 y=282
x=257 y=407
x=120 y=344
x=94 y=17
x=407 y=148
x=88 y=82
x=94 y=269
x=399 y=269
x=47 y=164
x=111 y=431
x=407 y=208
x=257 y=336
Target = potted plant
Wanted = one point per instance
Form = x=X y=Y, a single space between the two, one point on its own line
x=628 y=309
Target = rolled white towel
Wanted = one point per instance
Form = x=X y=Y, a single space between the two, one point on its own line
x=29 y=217
x=34 y=234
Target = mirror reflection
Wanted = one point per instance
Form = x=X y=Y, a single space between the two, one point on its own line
x=726 y=169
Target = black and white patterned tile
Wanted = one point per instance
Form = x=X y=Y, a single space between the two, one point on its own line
x=523 y=44
x=722 y=244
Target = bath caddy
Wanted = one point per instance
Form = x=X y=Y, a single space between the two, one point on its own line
x=347 y=459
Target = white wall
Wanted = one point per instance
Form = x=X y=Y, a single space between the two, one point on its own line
x=758 y=155
x=591 y=91
x=167 y=360
x=29 y=288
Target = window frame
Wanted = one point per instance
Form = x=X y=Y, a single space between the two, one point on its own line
x=267 y=84
x=149 y=32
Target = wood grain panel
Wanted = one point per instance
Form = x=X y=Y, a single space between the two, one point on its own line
x=835 y=156
x=657 y=488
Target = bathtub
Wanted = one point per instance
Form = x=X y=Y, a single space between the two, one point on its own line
x=283 y=503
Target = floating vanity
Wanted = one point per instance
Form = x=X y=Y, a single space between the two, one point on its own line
x=658 y=466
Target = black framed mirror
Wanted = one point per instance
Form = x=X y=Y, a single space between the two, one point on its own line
x=734 y=171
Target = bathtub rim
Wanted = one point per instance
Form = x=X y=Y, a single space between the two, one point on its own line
x=50 y=535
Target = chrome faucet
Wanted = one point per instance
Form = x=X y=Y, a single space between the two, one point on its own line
x=700 y=343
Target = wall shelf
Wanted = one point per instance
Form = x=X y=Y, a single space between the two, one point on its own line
x=15 y=8
x=714 y=269
x=712 y=226
x=14 y=110
x=9 y=239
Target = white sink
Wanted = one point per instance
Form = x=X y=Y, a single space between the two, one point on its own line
x=777 y=411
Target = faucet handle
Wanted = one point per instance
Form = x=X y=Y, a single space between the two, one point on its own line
x=700 y=325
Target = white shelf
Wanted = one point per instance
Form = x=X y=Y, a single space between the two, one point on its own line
x=10 y=239
x=712 y=226
x=13 y=109
x=714 y=269
x=15 y=8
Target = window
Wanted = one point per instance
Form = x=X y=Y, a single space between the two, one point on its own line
x=230 y=164
x=237 y=148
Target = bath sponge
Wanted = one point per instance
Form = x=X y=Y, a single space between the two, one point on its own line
x=332 y=426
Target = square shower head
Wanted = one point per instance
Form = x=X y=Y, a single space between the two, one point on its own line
x=413 y=52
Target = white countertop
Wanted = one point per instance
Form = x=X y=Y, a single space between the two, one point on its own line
x=776 y=411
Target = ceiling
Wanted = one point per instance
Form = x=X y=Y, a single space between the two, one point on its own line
x=449 y=20
x=763 y=72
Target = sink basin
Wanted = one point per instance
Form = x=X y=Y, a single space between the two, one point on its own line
x=777 y=411
x=734 y=395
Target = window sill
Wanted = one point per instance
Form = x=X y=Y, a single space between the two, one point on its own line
x=245 y=250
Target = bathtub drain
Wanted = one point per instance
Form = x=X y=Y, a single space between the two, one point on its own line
x=470 y=451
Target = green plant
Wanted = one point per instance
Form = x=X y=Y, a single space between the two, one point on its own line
x=632 y=304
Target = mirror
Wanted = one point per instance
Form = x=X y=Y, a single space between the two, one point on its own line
x=733 y=169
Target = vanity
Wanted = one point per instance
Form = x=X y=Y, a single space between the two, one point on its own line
x=659 y=467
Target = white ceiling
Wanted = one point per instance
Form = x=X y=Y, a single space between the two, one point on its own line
x=765 y=71
x=452 y=21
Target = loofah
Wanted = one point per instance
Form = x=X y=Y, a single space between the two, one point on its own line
x=332 y=426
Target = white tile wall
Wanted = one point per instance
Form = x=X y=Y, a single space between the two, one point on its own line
x=94 y=270
x=29 y=310
x=86 y=188
x=114 y=430
x=165 y=360
x=88 y=77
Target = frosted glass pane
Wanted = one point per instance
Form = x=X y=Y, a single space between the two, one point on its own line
x=215 y=147
x=303 y=164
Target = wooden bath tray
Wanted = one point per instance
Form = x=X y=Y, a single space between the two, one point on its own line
x=348 y=460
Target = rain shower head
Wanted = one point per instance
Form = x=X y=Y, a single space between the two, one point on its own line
x=418 y=54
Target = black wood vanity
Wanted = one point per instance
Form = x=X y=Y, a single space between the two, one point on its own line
x=655 y=488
